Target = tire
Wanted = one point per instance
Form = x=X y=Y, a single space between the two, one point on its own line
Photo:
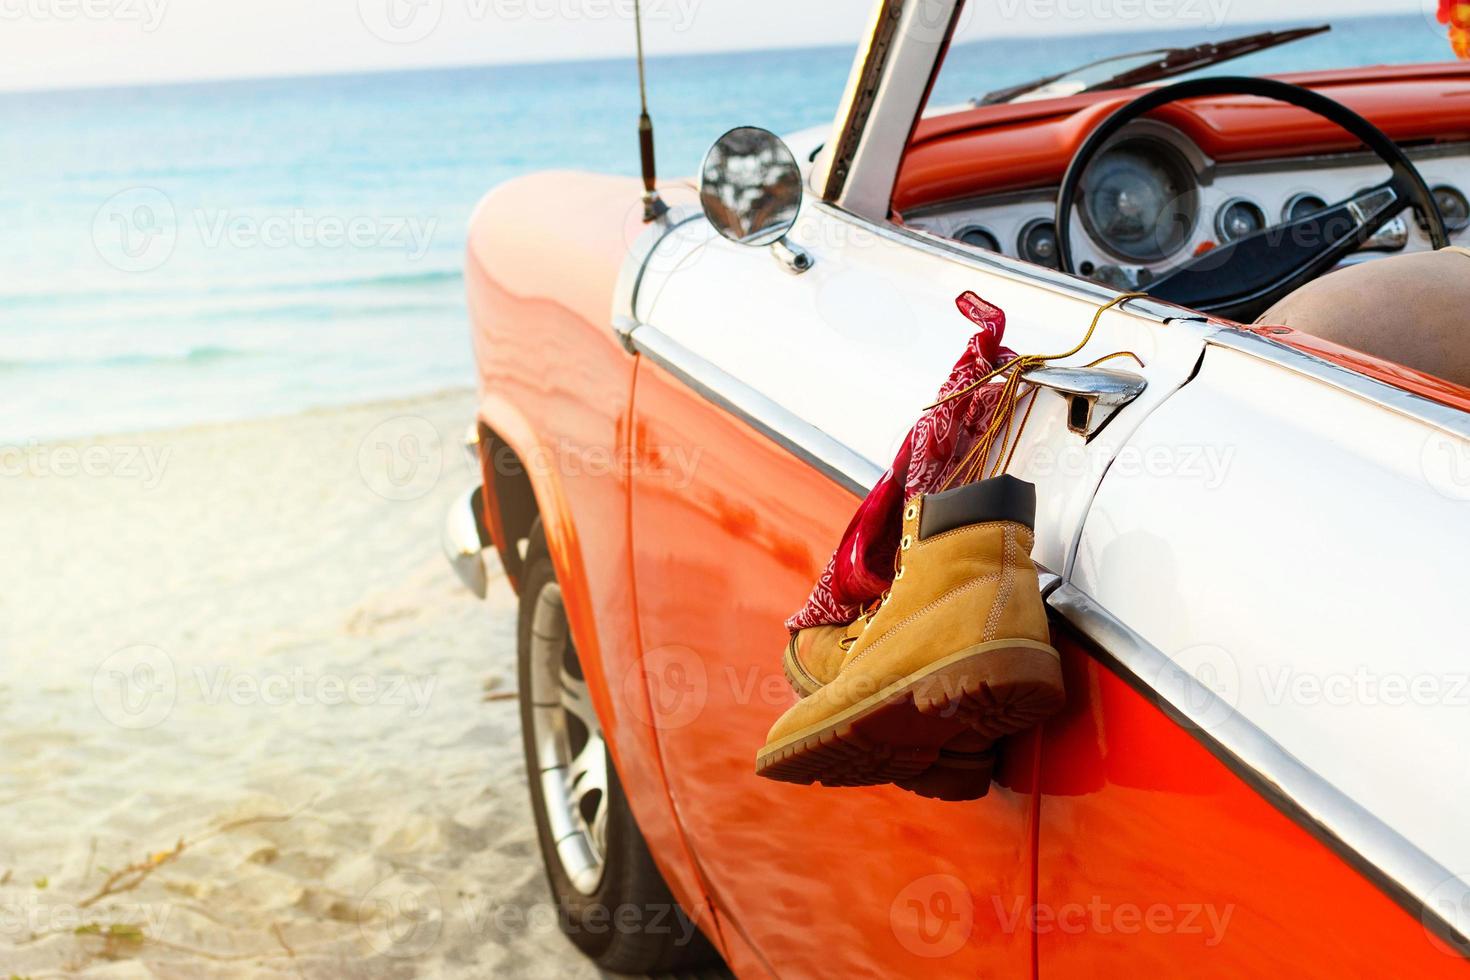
x=613 y=904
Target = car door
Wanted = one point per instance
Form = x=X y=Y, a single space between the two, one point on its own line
x=765 y=404
x=1267 y=774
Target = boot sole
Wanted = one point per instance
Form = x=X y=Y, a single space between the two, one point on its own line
x=897 y=733
x=955 y=776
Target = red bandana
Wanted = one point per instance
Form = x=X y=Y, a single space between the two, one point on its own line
x=862 y=566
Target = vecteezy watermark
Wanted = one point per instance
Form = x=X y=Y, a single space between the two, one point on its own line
x=401 y=916
x=136 y=230
x=300 y=687
x=929 y=20
x=595 y=919
x=401 y=458
x=147 y=14
x=411 y=21
x=673 y=466
x=1202 y=681
x=672 y=686
x=1364 y=686
x=1203 y=464
x=1444 y=460
x=405 y=914
x=668 y=688
x=139 y=229
x=300 y=228
x=138 y=687
x=1098 y=917
x=933 y=916
x=1210 y=13
x=39 y=460
x=1446 y=916
x=135 y=687
x=34 y=914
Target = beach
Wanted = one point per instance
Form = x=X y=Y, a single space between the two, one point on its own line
x=252 y=724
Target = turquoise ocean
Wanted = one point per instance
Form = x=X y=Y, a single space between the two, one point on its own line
x=205 y=252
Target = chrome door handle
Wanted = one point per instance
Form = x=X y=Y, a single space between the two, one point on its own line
x=1093 y=395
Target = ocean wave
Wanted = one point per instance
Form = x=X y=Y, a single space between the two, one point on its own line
x=385 y=280
x=192 y=356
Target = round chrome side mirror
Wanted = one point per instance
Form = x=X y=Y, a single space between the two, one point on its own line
x=750 y=188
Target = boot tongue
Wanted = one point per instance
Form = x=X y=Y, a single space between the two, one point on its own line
x=1002 y=498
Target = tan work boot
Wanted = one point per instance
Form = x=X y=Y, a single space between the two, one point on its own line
x=814 y=655
x=960 y=644
x=965 y=764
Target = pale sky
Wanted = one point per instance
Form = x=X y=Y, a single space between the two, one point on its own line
x=70 y=43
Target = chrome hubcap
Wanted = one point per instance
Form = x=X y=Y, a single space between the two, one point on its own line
x=571 y=755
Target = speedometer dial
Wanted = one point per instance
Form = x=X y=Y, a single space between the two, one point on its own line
x=1139 y=200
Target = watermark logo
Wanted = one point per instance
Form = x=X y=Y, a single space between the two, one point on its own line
x=136 y=230
x=147 y=14
x=411 y=21
x=400 y=21
x=135 y=687
x=1448 y=905
x=37 y=460
x=933 y=916
x=1205 y=465
x=401 y=916
x=1457 y=15
x=1445 y=462
x=929 y=19
x=1364 y=686
x=1209 y=13
x=33 y=914
x=139 y=229
x=301 y=687
x=302 y=229
x=401 y=459
x=677 y=688
x=1103 y=918
x=1204 y=682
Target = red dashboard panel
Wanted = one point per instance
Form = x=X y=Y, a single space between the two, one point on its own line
x=1029 y=145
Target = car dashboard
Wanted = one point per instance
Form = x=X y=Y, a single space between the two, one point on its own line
x=1152 y=169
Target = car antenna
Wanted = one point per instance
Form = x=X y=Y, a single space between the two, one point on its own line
x=654 y=207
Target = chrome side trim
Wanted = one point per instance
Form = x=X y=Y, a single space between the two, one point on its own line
x=1421 y=885
x=1406 y=874
x=1025 y=272
x=1450 y=420
x=799 y=437
x=630 y=274
x=465 y=540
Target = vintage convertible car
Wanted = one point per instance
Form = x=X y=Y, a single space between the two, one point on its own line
x=1253 y=539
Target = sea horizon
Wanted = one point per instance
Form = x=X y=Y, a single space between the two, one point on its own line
x=179 y=252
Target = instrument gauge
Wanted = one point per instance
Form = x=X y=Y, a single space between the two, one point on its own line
x=1238 y=218
x=979 y=237
x=1301 y=205
x=1139 y=200
x=1038 y=243
x=1452 y=207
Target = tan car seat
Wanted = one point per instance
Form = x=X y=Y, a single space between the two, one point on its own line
x=1412 y=309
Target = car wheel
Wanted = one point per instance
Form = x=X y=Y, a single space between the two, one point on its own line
x=613 y=903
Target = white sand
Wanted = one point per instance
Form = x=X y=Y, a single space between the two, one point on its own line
x=233 y=623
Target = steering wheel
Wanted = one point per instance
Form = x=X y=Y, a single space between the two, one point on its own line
x=1241 y=279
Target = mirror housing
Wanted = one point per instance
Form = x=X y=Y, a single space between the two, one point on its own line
x=750 y=189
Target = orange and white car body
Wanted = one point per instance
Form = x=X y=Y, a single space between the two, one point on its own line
x=1256 y=567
